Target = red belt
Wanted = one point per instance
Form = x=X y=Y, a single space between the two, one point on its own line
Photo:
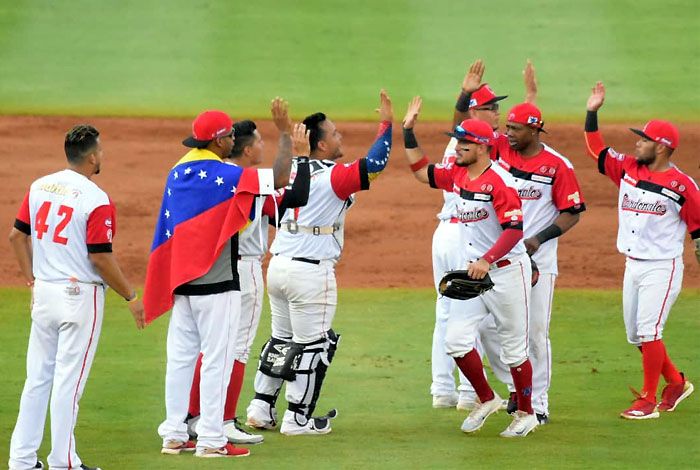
x=503 y=263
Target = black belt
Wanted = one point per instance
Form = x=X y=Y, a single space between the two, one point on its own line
x=306 y=260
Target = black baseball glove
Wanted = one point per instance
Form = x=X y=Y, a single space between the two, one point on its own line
x=458 y=285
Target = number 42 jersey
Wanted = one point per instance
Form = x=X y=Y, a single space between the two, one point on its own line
x=67 y=217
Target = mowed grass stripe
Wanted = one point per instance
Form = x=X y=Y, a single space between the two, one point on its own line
x=380 y=383
x=153 y=58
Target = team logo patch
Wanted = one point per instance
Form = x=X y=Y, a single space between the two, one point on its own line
x=575 y=198
x=639 y=206
x=616 y=155
x=529 y=193
x=486 y=187
x=474 y=215
x=532 y=120
x=674 y=183
x=108 y=222
x=515 y=214
x=472 y=102
x=681 y=188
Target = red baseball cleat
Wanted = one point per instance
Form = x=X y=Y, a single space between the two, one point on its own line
x=226 y=451
x=673 y=394
x=175 y=447
x=641 y=408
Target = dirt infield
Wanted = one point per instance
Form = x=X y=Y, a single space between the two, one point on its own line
x=389 y=231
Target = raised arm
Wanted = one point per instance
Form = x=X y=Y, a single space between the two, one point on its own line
x=414 y=154
x=594 y=140
x=297 y=195
x=378 y=154
x=530 y=83
x=283 y=162
x=470 y=83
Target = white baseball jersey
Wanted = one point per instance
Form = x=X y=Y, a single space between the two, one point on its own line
x=67 y=216
x=449 y=208
x=654 y=208
x=487 y=205
x=547 y=185
x=330 y=195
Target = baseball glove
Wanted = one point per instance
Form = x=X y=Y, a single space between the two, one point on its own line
x=458 y=285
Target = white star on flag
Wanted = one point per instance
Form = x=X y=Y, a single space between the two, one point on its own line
x=202 y=174
x=168 y=234
x=167 y=214
x=169 y=192
x=188 y=170
x=386 y=142
x=175 y=175
x=219 y=181
x=233 y=189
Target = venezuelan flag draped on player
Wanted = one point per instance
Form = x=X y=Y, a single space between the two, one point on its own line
x=205 y=203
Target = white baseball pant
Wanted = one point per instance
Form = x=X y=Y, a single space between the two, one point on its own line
x=206 y=323
x=508 y=302
x=252 y=288
x=66 y=326
x=649 y=290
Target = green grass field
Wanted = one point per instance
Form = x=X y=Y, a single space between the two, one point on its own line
x=149 y=57
x=380 y=382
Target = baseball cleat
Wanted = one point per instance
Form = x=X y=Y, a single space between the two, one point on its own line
x=173 y=447
x=445 y=401
x=332 y=414
x=39 y=464
x=542 y=418
x=522 y=424
x=226 y=451
x=313 y=426
x=192 y=426
x=85 y=467
x=466 y=402
x=481 y=411
x=673 y=394
x=641 y=408
x=261 y=415
x=237 y=435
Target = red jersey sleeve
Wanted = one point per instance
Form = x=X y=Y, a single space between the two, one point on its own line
x=23 y=219
x=566 y=192
x=508 y=207
x=690 y=212
x=441 y=177
x=612 y=164
x=101 y=227
x=349 y=178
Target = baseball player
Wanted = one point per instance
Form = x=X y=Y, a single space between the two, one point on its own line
x=193 y=269
x=552 y=204
x=492 y=221
x=248 y=152
x=62 y=238
x=301 y=279
x=476 y=101
x=657 y=204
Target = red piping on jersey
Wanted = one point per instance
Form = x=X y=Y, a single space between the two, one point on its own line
x=255 y=303
x=663 y=305
x=527 y=309
x=594 y=143
x=296 y=213
x=82 y=370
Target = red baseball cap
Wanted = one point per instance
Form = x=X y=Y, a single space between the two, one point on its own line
x=208 y=126
x=662 y=132
x=528 y=114
x=484 y=95
x=473 y=130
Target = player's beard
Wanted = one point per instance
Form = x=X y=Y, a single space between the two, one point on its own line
x=646 y=159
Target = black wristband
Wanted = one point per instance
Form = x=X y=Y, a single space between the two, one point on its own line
x=553 y=231
x=462 y=104
x=591 y=121
x=409 y=139
x=302 y=159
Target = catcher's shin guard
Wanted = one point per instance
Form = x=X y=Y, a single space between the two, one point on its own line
x=303 y=392
x=267 y=385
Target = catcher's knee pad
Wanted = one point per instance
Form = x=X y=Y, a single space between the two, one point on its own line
x=303 y=393
x=279 y=357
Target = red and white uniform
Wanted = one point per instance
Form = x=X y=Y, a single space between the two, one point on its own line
x=487 y=205
x=547 y=186
x=67 y=216
x=448 y=255
x=655 y=210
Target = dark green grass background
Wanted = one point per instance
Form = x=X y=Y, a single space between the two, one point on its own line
x=155 y=57
x=380 y=382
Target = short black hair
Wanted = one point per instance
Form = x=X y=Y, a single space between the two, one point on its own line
x=80 y=141
x=313 y=125
x=244 y=134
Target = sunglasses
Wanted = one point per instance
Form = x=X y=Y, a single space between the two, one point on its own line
x=461 y=132
x=488 y=107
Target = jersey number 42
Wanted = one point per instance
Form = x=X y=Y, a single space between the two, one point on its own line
x=41 y=227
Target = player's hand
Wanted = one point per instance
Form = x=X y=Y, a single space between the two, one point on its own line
x=472 y=80
x=532 y=244
x=478 y=269
x=300 y=141
x=530 y=82
x=386 y=111
x=412 y=112
x=280 y=115
x=595 y=101
x=136 y=309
